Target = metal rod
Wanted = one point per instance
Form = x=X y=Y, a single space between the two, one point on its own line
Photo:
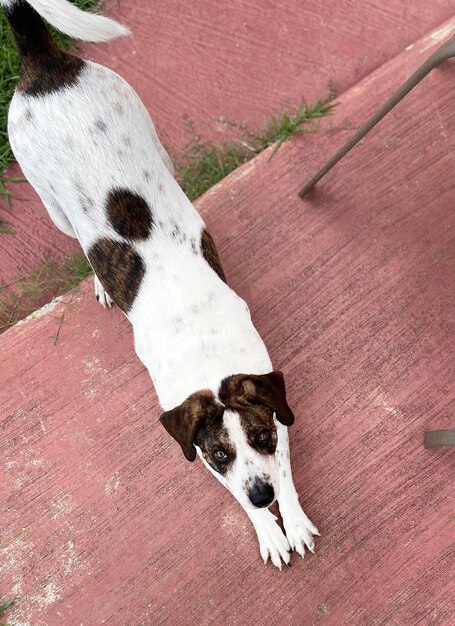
x=438 y=438
x=444 y=52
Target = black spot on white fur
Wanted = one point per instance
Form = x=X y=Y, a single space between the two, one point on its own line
x=177 y=234
x=100 y=126
x=194 y=246
x=85 y=200
x=129 y=214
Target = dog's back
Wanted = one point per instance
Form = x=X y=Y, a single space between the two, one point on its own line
x=88 y=146
x=79 y=130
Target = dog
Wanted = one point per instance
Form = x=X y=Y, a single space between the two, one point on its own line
x=87 y=145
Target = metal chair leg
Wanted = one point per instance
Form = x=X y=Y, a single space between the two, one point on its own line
x=438 y=438
x=446 y=51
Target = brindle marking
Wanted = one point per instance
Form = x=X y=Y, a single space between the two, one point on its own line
x=129 y=214
x=247 y=391
x=199 y=410
x=254 y=420
x=213 y=438
x=44 y=67
x=210 y=254
x=120 y=270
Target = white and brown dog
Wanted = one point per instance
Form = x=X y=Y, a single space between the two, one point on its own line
x=88 y=146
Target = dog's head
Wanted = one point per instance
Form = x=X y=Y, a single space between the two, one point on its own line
x=236 y=433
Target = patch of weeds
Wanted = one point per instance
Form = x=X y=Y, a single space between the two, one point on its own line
x=279 y=129
x=4 y=228
x=205 y=164
x=28 y=293
x=4 y=607
x=9 y=74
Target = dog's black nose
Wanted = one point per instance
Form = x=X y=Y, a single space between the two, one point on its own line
x=261 y=495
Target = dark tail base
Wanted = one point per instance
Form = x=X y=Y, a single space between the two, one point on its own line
x=44 y=67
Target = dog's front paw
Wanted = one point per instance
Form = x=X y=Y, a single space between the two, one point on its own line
x=103 y=298
x=299 y=529
x=272 y=541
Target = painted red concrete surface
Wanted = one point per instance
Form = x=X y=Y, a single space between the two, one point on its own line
x=199 y=66
x=104 y=522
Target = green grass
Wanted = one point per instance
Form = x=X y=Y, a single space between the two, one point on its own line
x=4 y=607
x=279 y=129
x=52 y=279
x=204 y=164
x=4 y=228
x=9 y=74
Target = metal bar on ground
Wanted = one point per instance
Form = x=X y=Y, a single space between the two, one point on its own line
x=446 y=51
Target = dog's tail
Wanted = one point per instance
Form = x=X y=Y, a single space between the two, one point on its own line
x=65 y=17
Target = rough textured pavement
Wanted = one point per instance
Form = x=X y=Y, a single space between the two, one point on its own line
x=104 y=522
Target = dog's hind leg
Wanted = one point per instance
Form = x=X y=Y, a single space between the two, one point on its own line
x=167 y=159
x=101 y=295
x=62 y=222
x=162 y=152
x=298 y=527
x=57 y=215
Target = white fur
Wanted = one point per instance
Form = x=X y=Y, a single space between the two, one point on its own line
x=191 y=330
x=249 y=465
x=299 y=529
x=69 y=19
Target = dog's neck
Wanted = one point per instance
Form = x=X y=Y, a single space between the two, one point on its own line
x=210 y=346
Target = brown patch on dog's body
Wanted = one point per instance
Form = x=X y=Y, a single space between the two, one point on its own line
x=129 y=214
x=120 y=270
x=44 y=67
x=210 y=254
x=200 y=410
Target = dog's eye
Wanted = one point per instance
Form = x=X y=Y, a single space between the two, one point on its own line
x=264 y=437
x=220 y=456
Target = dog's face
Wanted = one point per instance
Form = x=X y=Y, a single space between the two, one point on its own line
x=236 y=433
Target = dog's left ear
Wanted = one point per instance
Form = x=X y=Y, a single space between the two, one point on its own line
x=185 y=420
x=242 y=390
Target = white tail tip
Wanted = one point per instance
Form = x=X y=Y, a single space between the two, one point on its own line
x=69 y=19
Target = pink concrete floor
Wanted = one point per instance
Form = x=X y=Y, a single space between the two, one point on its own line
x=198 y=66
x=104 y=522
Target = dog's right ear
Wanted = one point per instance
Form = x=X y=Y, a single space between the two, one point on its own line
x=185 y=420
